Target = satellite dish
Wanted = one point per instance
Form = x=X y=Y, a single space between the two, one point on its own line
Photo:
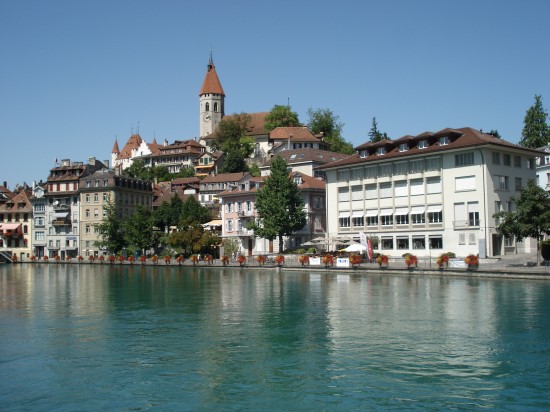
x=56 y=202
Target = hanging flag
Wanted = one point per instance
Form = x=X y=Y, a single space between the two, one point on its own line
x=363 y=238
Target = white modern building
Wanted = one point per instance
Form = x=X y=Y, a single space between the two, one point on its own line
x=430 y=193
x=543 y=168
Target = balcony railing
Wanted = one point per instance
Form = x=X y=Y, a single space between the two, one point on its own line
x=61 y=207
x=464 y=224
x=245 y=213
x=245 y=232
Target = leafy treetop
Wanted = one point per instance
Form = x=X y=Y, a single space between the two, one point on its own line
x=281 y=116
x=326 y=122
x=536 y=132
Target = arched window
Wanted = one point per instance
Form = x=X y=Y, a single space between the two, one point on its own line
x=207 y=107
x=216 y=107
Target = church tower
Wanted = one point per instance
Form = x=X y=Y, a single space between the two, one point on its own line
x=212 y=101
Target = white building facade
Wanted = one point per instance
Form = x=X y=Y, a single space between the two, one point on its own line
x=430 y=194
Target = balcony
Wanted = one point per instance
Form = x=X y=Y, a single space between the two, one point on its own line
x=61 y=207
x=245 y=213
x=245 y=232
x=465 y=224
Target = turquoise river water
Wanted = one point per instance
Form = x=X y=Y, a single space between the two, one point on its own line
x=90 y=338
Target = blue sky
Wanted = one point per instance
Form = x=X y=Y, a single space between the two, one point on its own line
x=75 y=75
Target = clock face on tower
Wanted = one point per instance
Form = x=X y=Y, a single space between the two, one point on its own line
x=206 y=116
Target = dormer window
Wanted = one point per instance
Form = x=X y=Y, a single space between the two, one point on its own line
x=403 y=147
x=422 y=144
x=443 y=141
x=298 y=179
x=380 y=151
x=363 y=153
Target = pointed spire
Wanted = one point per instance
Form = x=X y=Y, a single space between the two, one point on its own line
x=211 y=83
x=115 y=147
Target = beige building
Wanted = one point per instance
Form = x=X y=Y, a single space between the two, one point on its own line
x=99 y=189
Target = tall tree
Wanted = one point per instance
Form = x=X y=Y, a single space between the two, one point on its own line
x=536 y=132
x=281 y=116
x=138 y=170
x=138 y=229
x=374 y=134
x=193 y=238
x=326 y=122
x=279 y=205
x=495 y=133
x=531 y=217
x=110 y=231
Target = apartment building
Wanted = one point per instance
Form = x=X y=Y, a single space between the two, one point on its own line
x=430 y=193
x=100 y=189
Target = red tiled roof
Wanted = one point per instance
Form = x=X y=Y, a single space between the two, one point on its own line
x=20 y=198
x=296 y=134
x=459 y=138
x=224 y=177
x=115 y=148
x=309 y=154
x=256 y=126
x=309 y=182
x=211 y=83
x=132 y=144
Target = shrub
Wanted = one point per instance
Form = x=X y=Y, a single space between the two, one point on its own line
x=260 y=259
x=355 y=260
x=382 y=260
x=304 y=259
x=279 y=259
x=312 y=250
x=241 y=260
x=472 y=260
x=300 y=251
x=328 y=260
x=225 y=260
x=410 y=260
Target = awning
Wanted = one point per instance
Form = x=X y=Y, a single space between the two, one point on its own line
x=205 y=166
x=215 y=222
x=357 y=213
x=417 y=210
x=343 y=214
x=61 y=215
x=372 y=213
x=386 y=212
x=10 y=226
x=401 y=211
x=434 y=209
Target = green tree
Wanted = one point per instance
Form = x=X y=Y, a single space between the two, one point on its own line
x=536 y=132
x=138 y=229
x=281 y=116
x=231 y=138
x=193 y=212
x=374 y=134
x=137 y=170
x=110 y=231
x=495 y=133
x=185 y=172
x=279 y=205
x=531 y=217
x=193 y=238
x=326 y=122
x=168 y=213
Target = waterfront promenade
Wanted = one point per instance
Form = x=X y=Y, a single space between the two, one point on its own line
x=510 y=266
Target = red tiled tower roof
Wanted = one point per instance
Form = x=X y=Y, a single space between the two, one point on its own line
x=211 y=83
x=115 y=147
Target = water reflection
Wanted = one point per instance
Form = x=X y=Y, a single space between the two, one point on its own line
x=120 y=337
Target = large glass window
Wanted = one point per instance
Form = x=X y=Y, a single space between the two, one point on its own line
x=357 y=193
x=402 y=243
x=419 y=242
x=370 y=192
x=343 y=194
x=464 y=159
x=436 y=242
x=385 y=190
x=401 y=188
x=386 y=243
x=433 y=185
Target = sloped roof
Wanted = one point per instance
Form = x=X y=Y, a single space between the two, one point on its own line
x=12 y=205
x=224 y=177
x=132 y=144
x=459 y=138
x=256 y=126
x=211 y=83
x=309 y=154
x=115 y=150
x=294 y=133
x=309 y=182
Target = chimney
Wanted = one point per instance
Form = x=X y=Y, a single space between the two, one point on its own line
x=5 y=184
x=91 y=161
x=165 y=142
x=106 y=163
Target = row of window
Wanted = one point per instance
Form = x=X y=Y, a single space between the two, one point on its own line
x=386 y=217
x=231 y=207
x=16 y=217
x=389 y=169
x=400 y=188
x=405 y=242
